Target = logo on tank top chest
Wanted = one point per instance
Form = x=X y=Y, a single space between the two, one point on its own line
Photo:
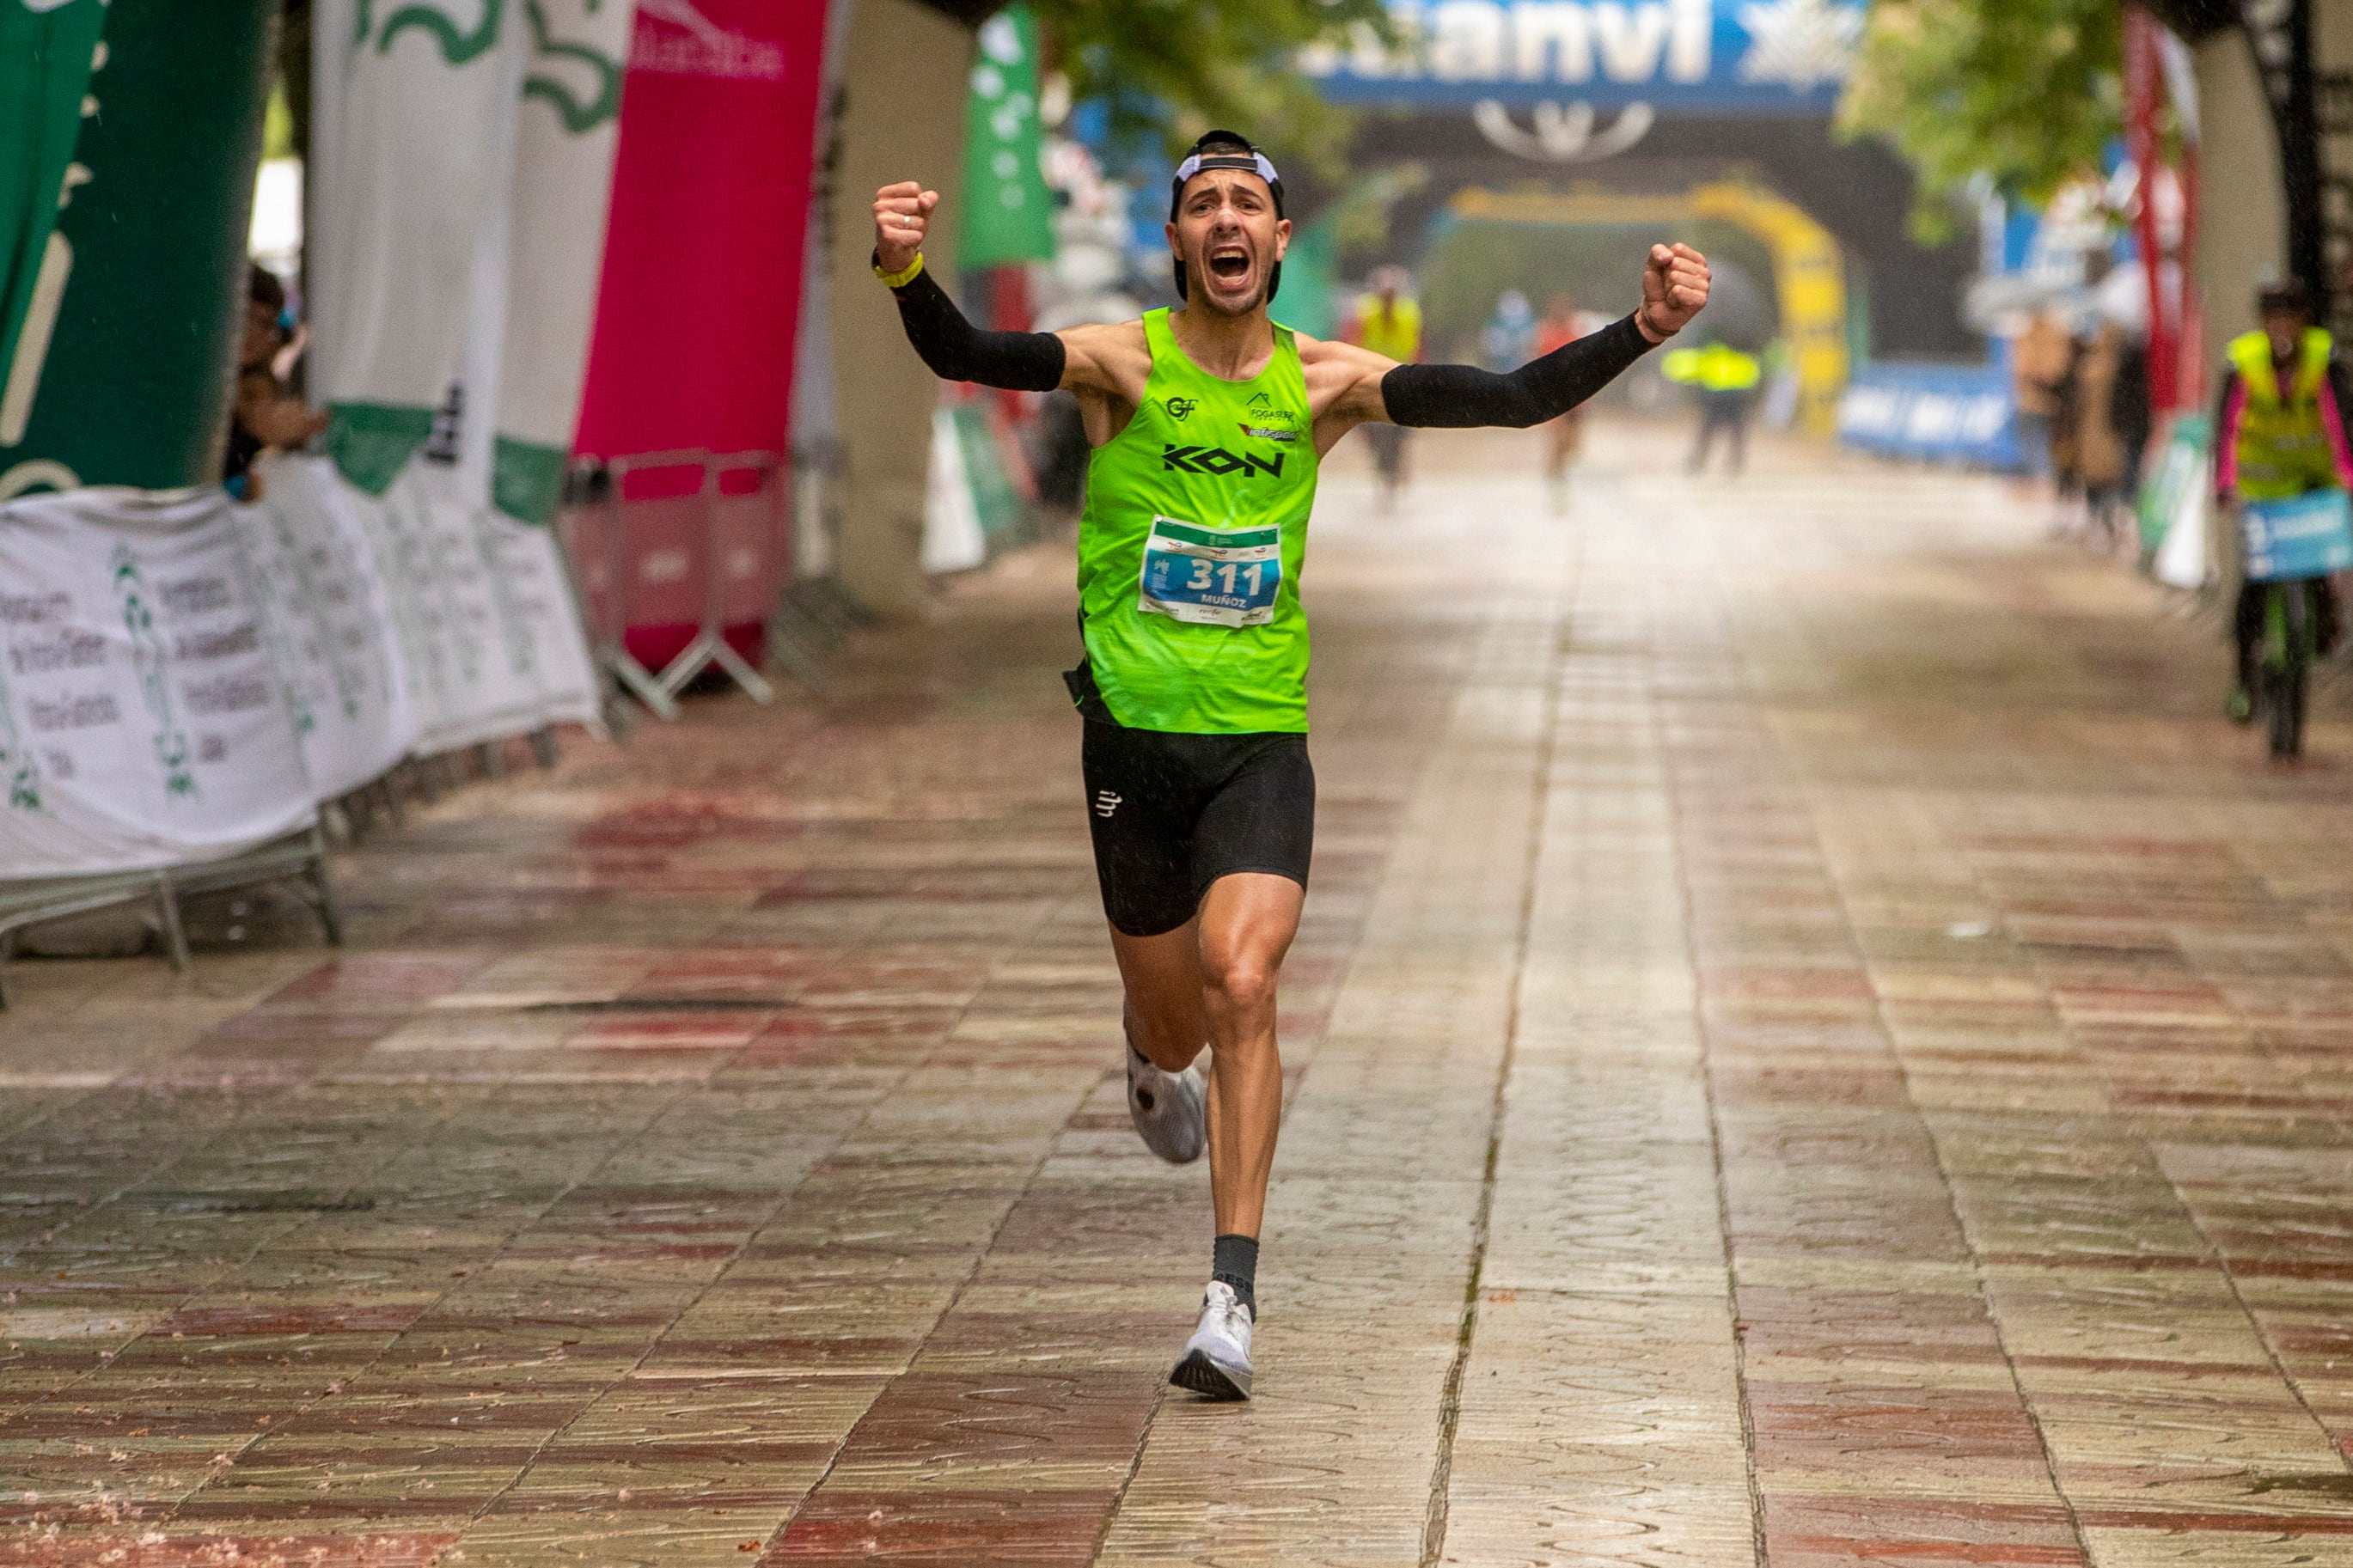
x=1262 y=410
x=1180 y=408
x=1217 y=461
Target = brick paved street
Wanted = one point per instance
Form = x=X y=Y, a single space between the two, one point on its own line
x=1812 y=1042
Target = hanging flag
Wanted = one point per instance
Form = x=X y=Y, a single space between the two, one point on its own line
x=463 y=172
x=701 y=277
x=567 y=128
x=120 y=334
x=699 y=297
x=1009 y=214
x=45 y=56
x=412 y=131
x=564 y=140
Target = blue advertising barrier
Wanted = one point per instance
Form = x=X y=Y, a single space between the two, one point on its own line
x=1954 y=413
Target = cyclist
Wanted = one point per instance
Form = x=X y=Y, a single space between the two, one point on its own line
x=2279 y=432
x=1208 y=424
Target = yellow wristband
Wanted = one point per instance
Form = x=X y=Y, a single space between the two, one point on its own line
x=902 y=279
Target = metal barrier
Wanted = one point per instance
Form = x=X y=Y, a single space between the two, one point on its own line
x=302 y=854
x=712 y=553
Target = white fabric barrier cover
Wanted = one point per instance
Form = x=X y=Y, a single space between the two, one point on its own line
x=331 y=614
x=481 y=611
x=479 y=661
x=2181 y=554
x=527 y=563
x=144 y=722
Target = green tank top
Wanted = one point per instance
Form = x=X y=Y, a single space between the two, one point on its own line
x=1189 y=550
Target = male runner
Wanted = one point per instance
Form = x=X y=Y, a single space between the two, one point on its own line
x=1207 y=424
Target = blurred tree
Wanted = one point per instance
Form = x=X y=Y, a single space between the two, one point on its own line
x=2025 y=92
x=1175 y=67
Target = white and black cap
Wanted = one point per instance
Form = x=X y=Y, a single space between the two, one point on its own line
x=1251 y=161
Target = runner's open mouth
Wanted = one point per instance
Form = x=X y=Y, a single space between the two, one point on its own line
x=1230 y=265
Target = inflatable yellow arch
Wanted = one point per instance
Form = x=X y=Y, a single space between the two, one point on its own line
x=1809 y=281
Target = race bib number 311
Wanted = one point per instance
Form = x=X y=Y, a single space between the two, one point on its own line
x=1208 y=577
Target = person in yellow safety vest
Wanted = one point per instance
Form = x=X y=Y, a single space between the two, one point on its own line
x=1727 y=380
x=2279 y=431
x=1389 y=321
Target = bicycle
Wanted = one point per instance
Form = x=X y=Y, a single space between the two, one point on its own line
x=2291 y=545
x=2290 y=645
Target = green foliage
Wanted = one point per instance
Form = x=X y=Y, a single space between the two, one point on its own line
x=1175 y=67
x=2024 y=91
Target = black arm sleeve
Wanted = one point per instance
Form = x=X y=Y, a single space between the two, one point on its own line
x=957 y=350
x=1458 y=396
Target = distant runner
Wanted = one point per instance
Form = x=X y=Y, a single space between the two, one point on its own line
x=1208 y=425
x=1562 y=325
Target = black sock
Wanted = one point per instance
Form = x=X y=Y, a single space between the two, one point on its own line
x=1234 y=1260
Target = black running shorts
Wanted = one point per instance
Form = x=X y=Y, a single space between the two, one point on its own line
x=1174 y=813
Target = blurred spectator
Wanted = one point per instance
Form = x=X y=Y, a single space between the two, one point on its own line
x=2099 y=449
x=1725 y=380
x=1389 y=321
x=1509 y=339
x=2066 y=449
x=2038 y=366
x=2131 y=414
x=264 y=414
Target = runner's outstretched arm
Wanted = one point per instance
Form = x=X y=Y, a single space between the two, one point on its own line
x=952 y=346
x=1459 y=397
x=1675 y=290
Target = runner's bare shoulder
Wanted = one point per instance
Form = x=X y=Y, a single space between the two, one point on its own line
x=1343 y=378
x=1111 y=357
x=1322 y=352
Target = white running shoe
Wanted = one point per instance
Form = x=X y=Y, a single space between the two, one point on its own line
x=1167 y=1109
x=1216 y=1358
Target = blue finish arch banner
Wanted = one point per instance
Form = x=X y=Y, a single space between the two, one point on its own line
x=1679 y=57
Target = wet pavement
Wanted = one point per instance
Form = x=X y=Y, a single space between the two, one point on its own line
x=1813 y=1044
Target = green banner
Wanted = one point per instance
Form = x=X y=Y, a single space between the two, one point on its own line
x=128 y=382
x=46 y=57
x=1009 y=212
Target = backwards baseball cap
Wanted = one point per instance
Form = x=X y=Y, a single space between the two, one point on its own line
x=1249 y=161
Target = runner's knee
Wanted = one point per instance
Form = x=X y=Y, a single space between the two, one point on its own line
x=1239 y=984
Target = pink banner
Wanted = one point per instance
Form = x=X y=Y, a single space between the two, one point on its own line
x=693 y=346
x=702 y=261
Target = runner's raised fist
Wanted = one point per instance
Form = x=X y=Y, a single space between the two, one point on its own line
x=1675 y=290
x=902 y=212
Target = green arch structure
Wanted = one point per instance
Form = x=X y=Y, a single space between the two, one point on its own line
x=1809 y=279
